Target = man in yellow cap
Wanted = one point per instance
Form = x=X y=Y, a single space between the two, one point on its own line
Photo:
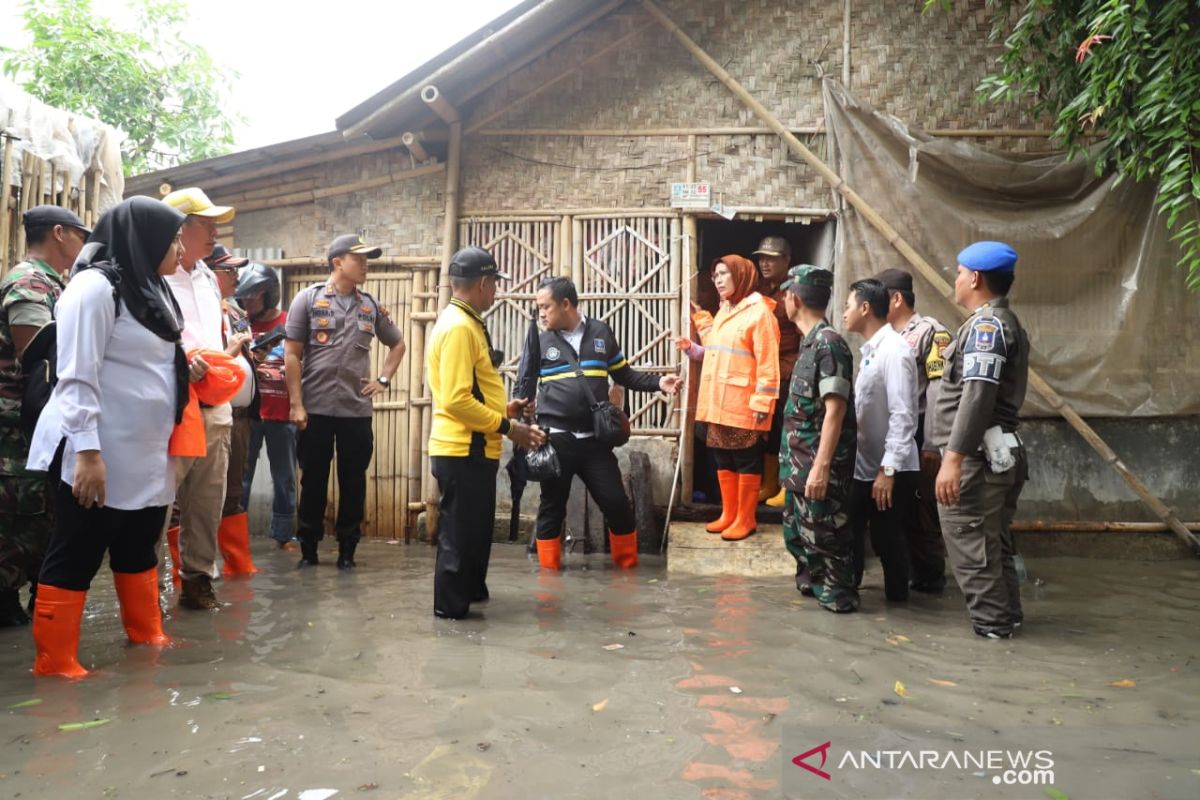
x=201 y=482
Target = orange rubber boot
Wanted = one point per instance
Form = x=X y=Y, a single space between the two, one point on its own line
x=550 y=553
x=728 y=479
x=56 y=617
x=748 y=486
x=137 y=593
x=173 y=546
x=624 y=549
x=233 y=540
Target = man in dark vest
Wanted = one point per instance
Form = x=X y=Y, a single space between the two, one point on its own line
x=564 y=409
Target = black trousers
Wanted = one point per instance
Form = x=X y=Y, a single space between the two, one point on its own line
x=466 y=519
x=596 y=466
x=83 y=535
x=315 y=445
x=888 y=538
x=747 y=461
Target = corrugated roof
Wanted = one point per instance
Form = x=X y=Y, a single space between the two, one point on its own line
x=461 y=72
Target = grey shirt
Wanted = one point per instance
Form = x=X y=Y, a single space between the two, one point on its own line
x=987 y=374
x=337 y=336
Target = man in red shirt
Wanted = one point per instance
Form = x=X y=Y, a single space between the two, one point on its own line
x=258 y=292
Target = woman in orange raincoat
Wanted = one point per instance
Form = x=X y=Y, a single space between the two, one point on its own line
x=739 y=384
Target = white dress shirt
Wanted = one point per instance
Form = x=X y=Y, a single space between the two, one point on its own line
x=204 y=321
x=115 y=393
x=885 y=403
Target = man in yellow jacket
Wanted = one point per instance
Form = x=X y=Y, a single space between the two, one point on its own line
x=469 y=417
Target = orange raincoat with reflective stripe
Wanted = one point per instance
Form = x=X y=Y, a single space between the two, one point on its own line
x=740 y=374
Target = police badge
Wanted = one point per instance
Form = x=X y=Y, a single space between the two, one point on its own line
x=553 y=353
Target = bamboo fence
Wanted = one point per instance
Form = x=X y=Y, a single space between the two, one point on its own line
x=39 y=183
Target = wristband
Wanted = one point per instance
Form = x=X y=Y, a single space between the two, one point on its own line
x=505 y=427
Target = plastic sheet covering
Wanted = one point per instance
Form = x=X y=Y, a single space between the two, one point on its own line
x=73 y=143
x=1112 y=325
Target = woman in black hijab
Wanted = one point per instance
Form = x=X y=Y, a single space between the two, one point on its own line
x=122 y=385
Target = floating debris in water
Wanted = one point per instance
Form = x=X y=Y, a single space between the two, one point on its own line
x=614 y=646
x=83 y=726
x=598 y=707
x=735 y=689
x=27 y=703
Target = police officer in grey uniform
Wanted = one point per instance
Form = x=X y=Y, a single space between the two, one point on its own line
x=984 y=463
x=327 y=363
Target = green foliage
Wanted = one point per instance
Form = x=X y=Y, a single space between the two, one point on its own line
x=1127 y=70
x=163 y=91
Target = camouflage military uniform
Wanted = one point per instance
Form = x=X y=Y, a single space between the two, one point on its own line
x=27 y=297
x=817 y=532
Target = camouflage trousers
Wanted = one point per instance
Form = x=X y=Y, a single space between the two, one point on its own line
x=25 y=514
x=817 y=533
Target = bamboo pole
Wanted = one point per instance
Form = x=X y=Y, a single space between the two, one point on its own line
x=418 y=263
x=690 y=256
x=27 y=190
x=93 y=199
x=322 y=158
x=5 y=196
x=413 y=141
x=312 y=195
x=416 y=364
x=594 y=213
x=1073 y=526
x=802 y=130
x=447 y=112
x=577 y=252
x=846 y=43
x=893 y=237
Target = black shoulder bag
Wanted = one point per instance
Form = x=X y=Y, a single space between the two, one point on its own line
x=609 y=423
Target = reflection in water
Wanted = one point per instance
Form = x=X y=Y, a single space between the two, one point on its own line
x=316 y=678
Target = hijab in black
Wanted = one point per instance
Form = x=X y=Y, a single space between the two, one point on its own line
x=128 y=245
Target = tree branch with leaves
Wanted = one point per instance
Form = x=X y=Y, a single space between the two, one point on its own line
x=164 y=92
x=1128 y=70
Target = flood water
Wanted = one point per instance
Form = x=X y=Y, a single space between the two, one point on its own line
x=311 y=682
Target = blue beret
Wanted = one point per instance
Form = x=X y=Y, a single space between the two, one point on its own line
x=989 y=257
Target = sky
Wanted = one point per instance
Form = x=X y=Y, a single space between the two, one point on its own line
x=301 y=65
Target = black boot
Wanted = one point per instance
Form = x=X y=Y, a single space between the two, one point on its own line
x=308 y=554
x=11 y=613
x=346 y=555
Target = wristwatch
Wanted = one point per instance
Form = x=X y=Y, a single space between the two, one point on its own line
x=889 y=472
x=384 y=382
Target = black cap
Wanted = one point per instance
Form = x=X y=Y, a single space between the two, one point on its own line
x=220 y=257
x=351 y=243
x=46 y=216
x=474 y=262
x=895 y=280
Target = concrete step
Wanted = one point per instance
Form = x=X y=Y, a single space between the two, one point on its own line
x=691 y=550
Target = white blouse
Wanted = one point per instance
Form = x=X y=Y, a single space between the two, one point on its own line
x=115 y=394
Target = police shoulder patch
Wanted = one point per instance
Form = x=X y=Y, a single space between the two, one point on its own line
x=599 y=345
x=553 y=354
x=985 y=350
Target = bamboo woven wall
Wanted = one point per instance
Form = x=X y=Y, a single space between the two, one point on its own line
x=38 y=183
x=924 y=68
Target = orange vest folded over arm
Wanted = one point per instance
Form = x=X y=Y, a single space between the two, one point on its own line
x=218 y=386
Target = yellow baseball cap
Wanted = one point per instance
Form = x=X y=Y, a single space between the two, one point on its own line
x=195 y=201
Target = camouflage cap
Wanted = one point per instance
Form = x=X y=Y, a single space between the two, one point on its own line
x=808 y=275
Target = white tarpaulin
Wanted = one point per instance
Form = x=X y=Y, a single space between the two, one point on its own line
x=71 y=142
x=1111 y=323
